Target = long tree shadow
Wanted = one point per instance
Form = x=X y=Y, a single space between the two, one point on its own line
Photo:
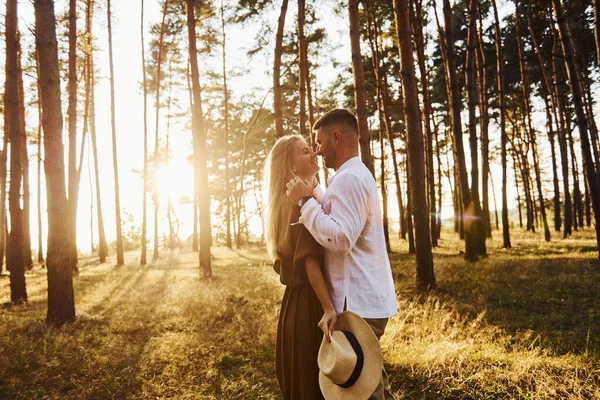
x=555 y=298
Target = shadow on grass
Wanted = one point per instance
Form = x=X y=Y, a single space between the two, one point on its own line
x=556 y=298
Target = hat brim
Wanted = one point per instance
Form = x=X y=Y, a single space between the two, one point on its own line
x=373 y=361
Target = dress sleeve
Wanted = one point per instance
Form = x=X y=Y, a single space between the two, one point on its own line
x=306 y=246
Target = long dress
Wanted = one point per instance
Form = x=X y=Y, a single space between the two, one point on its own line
x=298 y=336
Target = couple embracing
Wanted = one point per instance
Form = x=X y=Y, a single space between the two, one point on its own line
x=329 y=250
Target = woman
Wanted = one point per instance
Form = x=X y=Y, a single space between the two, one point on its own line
x=306 y=305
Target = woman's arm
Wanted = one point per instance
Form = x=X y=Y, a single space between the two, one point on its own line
x=315 y=277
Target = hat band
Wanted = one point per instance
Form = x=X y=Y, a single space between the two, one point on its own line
x=360 y=358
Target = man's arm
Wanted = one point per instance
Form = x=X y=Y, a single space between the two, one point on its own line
x=339 y=230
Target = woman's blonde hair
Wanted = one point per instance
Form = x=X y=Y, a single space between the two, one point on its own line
x=278 y=172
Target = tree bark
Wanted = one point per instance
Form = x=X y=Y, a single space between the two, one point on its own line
x=359 y=87
x=40 y=257
x=424 y=259
x=61 y=303
x=201 y=154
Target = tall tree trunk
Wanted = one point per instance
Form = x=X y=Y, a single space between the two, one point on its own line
x=144 y=240
x=530 y=129
x=472 y=243
x=102 y=246
x=120 y=258
x=481 y=70
x=40 y=256
x=562 y=140
x=578 y=205
x=359 y=86
x=503 y=139
x=416 y=19
x=302 y=68
x=72 y=122
x=12 y=127
x=425 y=273
x=156 y=156
x=28 y=262
x=277 y=96
x=201 y=155
x=61 y=303
x=477 y=222
x=373 y=39
x=226 y=147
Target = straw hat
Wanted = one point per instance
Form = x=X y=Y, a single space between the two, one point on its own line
x=350 y=366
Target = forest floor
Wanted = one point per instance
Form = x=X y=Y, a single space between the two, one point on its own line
x=523 y=323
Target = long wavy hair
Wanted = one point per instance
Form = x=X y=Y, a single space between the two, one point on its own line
x=278 y=172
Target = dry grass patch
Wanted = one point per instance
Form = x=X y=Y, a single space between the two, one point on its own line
x=521 y=324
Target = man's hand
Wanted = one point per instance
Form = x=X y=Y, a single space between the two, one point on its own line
x=298 y=188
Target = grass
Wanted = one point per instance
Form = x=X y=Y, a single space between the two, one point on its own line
x=521 y=324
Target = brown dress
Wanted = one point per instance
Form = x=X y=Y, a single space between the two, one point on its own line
x=298 y=336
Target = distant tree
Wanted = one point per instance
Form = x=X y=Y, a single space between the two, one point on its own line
x=61 y=303
x=120 y=258
x=12 y=127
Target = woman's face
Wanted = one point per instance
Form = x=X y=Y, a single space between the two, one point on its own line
x=304 y=161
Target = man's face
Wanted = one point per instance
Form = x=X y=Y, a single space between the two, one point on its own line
x=325 y=146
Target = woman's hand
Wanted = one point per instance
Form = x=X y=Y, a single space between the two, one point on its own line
x=327 y=323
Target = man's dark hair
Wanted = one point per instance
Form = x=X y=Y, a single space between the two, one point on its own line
x=337 y=116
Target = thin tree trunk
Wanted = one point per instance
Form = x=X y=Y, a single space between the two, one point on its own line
x=373 y=39
x=578 y=205
x=476 y=223
x=102 y=246
x=424 y=259
x=562 y=141
x=12 y=127
x=61 y=303
x=277 y=96
x=72 y=123
x=481 y=70
x=40 y=256
x=359 y=86
x=472 y=243
x=28 y=262
x=503 y=139
x=144 y=239
x=416 y=19
x=226 y=147
x=530 y=130
x=156 y=156
x=302 y=68
x=120 y=258
x=201 y=155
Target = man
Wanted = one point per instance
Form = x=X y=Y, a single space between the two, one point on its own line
x=346 y=220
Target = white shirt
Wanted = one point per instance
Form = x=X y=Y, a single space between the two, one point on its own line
x=346 y=220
